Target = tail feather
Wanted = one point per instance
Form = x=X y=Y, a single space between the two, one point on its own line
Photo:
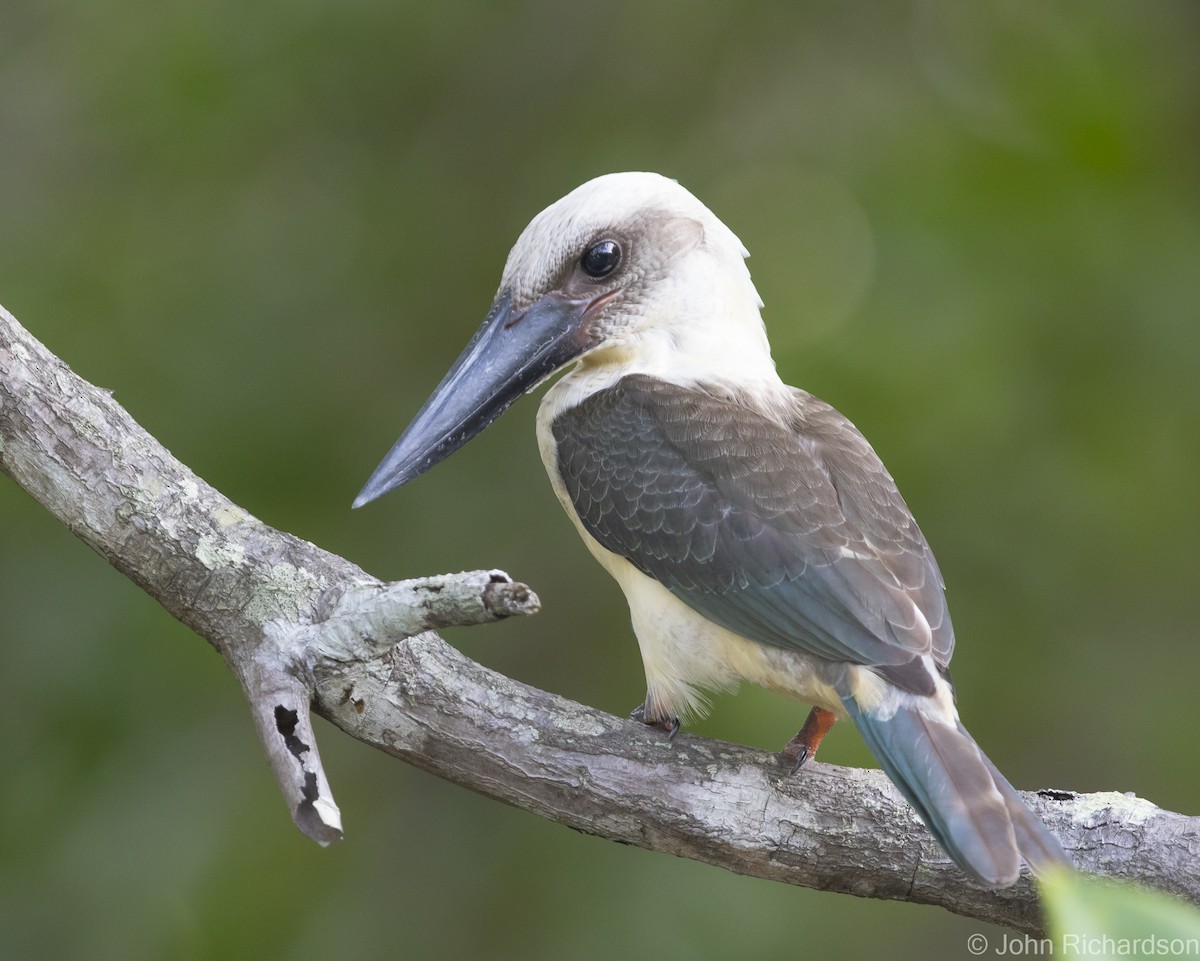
x=1037 y=845
x=974 y=813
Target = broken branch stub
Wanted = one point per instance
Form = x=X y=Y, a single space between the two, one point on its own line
x=272 y=604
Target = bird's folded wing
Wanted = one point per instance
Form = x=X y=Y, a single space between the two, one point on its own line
x=793 y=536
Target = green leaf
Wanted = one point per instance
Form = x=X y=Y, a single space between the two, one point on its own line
x=1096 y=918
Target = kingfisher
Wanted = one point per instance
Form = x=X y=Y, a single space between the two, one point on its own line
x=755 y=533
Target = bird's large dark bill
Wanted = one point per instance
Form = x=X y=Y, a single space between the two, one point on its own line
x=509 y=355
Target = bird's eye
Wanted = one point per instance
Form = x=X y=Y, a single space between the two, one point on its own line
x=601 y=259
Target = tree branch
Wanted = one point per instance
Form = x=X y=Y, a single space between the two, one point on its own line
x=299 y=626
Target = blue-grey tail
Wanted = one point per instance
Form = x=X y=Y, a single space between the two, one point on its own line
x=974 y=813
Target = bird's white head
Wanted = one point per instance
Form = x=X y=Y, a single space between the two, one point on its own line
x=670 y=278
x=628 y=272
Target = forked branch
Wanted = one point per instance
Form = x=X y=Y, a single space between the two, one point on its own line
x=301 y=627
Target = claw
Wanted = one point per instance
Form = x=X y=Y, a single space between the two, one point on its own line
x=671 y=726
x=668 y=724
x=803 y=747
x=801 y=755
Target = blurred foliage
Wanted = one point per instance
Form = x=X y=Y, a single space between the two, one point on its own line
x=1102 y=919
x=269 y=228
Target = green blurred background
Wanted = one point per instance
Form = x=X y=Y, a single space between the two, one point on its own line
x=270 y=227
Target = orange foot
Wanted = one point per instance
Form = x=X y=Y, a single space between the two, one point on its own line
x=803 y=747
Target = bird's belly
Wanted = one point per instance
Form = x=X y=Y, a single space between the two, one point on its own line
x=684 y=653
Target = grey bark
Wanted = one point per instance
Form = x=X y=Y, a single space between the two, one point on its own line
x=304 y=629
